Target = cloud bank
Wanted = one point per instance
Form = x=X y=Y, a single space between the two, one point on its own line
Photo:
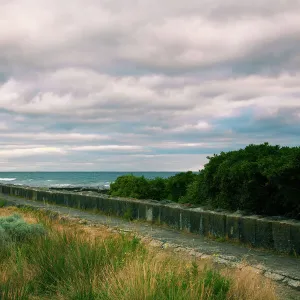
x=144 y=85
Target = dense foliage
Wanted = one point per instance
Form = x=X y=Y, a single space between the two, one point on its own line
x=171 y=188
x=261 y=179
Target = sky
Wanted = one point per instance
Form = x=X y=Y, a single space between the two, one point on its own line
x=145 y=85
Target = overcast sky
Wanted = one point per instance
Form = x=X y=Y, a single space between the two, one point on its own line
x=143 y=85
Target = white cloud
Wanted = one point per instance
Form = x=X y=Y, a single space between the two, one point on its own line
x=130 y=76
x=12 y=153
x=108 y=147
x=46 y=136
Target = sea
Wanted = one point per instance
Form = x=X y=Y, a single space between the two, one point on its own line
x=71 y=179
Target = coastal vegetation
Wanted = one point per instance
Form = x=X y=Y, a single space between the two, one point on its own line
x=261 y=179
x=45 y=256
x=172 y=188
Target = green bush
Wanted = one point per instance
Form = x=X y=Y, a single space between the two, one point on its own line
x=3 y=202
x=157 y=189
x=261 y=179
x=177 y=185
x=15 y=229
x=130 y=186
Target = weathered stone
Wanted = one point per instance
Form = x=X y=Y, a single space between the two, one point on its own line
x=205 y=223
x=149 y=214
x=205 y=256
x=261 y=267
x=185 y=220
x=282 y=236
x=195 y=222
x=217 y=224
x=156 y=213
x=141 y=211
x=170 y=216
x=169 y=245
x=180 y=249
x=295 y=238
x=274 y=276
x=247 y=230
x=233 y=227
x=292 y=283
x=264 y=234
x=155 y=243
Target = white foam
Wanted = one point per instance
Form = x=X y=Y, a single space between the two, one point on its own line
x=7 y=179
x=62 y=185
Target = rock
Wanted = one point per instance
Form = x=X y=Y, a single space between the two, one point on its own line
x=274 y=276
x=293 y=283
x=220 y=260
x=83 y=222
x=180 y=249
x=205 y=256
x=155 y=243
x=169 y=245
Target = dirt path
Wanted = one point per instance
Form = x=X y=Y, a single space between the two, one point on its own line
x=280 y=268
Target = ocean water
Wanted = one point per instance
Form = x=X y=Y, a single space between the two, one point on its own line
x=71 y=179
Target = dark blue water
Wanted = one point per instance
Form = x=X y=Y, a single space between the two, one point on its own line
x=71 y=179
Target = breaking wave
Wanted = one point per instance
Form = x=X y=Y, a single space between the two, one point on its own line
x=7 y=179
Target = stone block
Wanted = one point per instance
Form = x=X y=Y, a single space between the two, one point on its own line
x=264 y=234
x=282 y=236
x=156 y=213
x=295 y=238
x=34 y=195
x=233 y=227
x=185 y=220
x=142 y=211
x=149 y=213
x=217 y=224
x=247 y=230
x=195 y=217
x=205 y=224
x=170 y=216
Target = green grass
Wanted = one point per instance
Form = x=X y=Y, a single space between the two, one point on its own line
x=3 y=202
x=58 y=260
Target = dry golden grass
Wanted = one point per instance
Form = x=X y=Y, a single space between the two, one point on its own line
x=138 y=280
x=248 y=285
x=140 y=277
x=28 y=217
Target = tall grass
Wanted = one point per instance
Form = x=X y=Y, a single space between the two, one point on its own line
x=77 y=262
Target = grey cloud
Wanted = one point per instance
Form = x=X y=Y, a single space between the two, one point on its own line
x=94 y=34
x=82 y=79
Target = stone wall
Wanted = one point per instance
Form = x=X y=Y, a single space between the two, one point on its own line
x=281 y=235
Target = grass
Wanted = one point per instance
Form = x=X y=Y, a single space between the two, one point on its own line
x=3 y=202
x=73 y=261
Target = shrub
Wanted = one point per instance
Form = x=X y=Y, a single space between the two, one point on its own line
x=177 y=185
x=3 y=203
x=130 y=186
x=157 y=189
x=14 y=228
x=261 y=179
x=5 y=239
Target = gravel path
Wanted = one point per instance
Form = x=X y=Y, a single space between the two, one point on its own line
x=280 y=268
